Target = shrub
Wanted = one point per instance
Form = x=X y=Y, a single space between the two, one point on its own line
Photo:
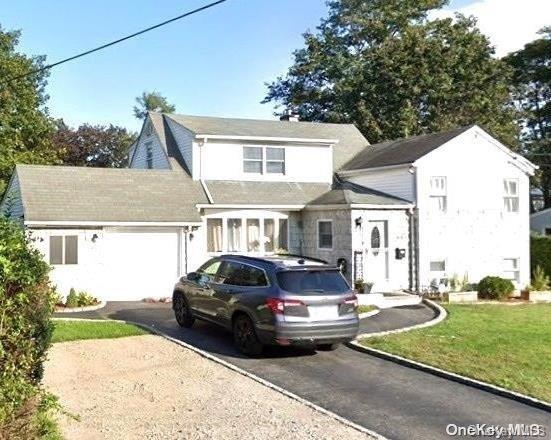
x=540 y=253
x=495 y=288
x=72 y=299
x=540 y=280
x=26 y=305
x=359 y=286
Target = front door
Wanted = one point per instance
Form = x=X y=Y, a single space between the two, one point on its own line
x=376 y=261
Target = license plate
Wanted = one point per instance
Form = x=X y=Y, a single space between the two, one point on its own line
x=323 y=313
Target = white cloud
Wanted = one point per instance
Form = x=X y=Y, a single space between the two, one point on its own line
x=508 y=23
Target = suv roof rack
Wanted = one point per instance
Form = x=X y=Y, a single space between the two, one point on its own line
x=303 y=257
x=246 y=257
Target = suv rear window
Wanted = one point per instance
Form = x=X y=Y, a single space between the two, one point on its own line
x=312 y=282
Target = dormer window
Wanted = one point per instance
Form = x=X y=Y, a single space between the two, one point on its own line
x=263 y=160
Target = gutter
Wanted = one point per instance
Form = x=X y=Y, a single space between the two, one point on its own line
x=54 y=223
x=206 y=137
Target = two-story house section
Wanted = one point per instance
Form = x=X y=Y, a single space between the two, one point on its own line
x=471 y=202
x=402 y=214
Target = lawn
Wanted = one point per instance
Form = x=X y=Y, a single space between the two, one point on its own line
x=365 y=309
x=75 y=330
x=509 y=346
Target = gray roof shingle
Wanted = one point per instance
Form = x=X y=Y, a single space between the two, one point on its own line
x=400 y=151
x=264 y=193
x=351 y=141
x=59 y=193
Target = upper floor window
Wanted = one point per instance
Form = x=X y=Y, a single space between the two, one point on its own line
x=63 y=249
x=149 y=155
x=438 y=193
x=264 y=160
x=325 y=234
x=510 y=195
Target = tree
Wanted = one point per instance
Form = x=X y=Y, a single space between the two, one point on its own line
x=93 y=145
x=383 y=65
x=25 y=127
x=152 y=102
x=532 y=96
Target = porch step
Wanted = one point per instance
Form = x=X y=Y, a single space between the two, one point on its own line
x=388 y=300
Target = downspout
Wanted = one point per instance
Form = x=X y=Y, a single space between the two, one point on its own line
x=415 y=228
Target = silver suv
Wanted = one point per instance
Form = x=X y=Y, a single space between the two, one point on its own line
x=279 y=300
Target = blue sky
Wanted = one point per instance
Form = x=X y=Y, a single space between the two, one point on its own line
x=214 y=63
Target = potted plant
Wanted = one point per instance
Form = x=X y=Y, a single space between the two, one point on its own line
x=539 y=289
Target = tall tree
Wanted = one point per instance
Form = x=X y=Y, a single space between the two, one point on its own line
x=25 y=128
x=383 y=65
x=152 y=102
x=93 y=145
x=532 y=95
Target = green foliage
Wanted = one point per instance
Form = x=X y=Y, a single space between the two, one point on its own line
x=25 y=128
x=26 y=304
x=77 y=330
x=383 y=65
x=152 y=102
x=492 y=287
x=92 y=145
x=540 y=280
x=532 y=96
x=79 y=299
x=540 y=253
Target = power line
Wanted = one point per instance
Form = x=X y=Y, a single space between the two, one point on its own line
x=112 y=43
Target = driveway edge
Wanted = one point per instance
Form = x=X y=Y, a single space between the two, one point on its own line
x=254 y=377
x=368 y=314
x=485 y=386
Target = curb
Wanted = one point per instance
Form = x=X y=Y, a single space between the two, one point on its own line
x=245 y=373
x=368 y=314
x=485 y=386
x=440 y=313
x=101 y=305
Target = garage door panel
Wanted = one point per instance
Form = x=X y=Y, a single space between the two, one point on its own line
x=140 y=264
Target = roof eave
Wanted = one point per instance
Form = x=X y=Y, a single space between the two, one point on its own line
x=206 y=137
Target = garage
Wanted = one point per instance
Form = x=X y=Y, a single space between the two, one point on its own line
x=139 y=262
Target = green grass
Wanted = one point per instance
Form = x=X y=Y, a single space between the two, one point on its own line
x=75 y=330
x=365 y=309
x=509 y=346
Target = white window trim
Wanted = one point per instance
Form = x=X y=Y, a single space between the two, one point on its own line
x=318 y=235
x=516 y=271
x=506 y=195
x=264 y=160
x=439 y=193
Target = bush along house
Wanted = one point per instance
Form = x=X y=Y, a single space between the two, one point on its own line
x=401 y=215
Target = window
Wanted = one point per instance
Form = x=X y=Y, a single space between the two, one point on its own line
x=207 y=271
x=252 y=160
x=282 y=240
x=64 y=249
x=438 y=266
x=253 y=235
x=312 y=282
x=511 y=269
x=325 y=234
x=510 y=195
x=275 y=160
x=237 y=274
x=547 y=231
x=269 y=233
x=438 y=193
x=149 y=155
x=262 y=160
x=214 y=235
x=234 y=234
x=148 y=129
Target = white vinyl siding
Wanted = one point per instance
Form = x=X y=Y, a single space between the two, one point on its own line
x=398 y=182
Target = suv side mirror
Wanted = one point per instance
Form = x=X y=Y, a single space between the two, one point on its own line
x=192 y=276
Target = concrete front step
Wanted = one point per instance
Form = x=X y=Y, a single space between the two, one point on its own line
x=386 y=301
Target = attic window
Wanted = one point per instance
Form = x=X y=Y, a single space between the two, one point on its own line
x=149 y=155
x=148 y=129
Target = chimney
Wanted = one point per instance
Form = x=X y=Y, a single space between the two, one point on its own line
x=289 y=115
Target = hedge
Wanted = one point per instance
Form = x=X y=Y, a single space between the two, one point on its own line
x=26 y=305
x=540 y=253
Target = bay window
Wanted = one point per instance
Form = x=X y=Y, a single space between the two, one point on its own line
x=269 y=233
x=253 y=234
x=214 y=235
x=234 y=234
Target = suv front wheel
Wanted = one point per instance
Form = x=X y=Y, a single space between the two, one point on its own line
x=181 y=311
x=244 y=336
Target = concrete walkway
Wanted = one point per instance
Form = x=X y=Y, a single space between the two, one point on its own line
x=393 y=400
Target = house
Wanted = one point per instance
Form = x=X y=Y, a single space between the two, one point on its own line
x=540 y=222
x=403 y=214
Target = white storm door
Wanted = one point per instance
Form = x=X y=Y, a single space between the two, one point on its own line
x=377 y=254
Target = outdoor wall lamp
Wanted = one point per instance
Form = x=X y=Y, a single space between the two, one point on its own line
x=94 y=238
x=358 y=222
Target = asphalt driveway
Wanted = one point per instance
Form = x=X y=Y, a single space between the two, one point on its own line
x=393 y=400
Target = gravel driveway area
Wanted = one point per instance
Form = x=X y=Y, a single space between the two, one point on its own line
x=147 y=387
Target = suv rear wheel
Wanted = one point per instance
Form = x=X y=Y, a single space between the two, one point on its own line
x=328 y=347
x=244 y=336
x=182 y=311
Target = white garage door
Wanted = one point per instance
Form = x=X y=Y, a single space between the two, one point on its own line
x=139 y=263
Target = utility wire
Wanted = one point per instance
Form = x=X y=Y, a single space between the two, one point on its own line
x=112 y=43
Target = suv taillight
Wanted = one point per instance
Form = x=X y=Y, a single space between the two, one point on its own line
x=278 y=305
x=351 y=300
